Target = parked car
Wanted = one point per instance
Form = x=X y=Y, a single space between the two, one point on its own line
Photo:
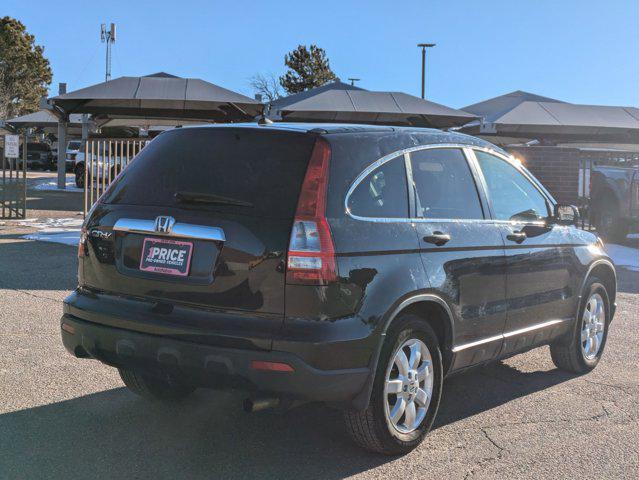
x=73 y=148
x=614 y=201
x=39 y=156
x=353 y=265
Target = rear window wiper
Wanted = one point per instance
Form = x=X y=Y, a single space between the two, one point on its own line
x=210 y=198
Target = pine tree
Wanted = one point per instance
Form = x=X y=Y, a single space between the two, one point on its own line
x=307 y=68
x=24 y=71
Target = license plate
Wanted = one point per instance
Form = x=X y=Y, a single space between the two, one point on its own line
x=162 y=255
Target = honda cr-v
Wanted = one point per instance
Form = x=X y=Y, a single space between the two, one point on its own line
x=349 y=264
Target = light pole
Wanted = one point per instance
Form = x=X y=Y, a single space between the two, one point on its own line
x=424 y=46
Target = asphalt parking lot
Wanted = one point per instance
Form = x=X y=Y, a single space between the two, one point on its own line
x=64 y=418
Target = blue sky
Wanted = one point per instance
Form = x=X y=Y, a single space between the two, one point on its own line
x=582 y=51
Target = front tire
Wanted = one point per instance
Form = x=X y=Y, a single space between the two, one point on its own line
x=581 y=350
x=610 y=226
x=406 y=390
x=153 y=388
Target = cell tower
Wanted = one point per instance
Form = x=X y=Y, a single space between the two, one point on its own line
x=108 y=37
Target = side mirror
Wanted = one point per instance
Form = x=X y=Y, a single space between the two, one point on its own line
x=566 y=215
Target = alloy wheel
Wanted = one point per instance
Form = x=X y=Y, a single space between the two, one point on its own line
x=408 y=387
x=592 y=326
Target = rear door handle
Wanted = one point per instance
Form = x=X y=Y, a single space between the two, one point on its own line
x=438 y=238
x=517 y=236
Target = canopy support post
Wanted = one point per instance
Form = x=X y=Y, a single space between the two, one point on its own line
x=62 y=151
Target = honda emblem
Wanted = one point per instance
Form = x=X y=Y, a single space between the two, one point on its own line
x=164 y=224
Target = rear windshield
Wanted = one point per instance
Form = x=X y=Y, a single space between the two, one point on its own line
x=262 y=170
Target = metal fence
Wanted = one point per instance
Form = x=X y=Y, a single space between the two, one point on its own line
x=13 y=189
x=104 y=160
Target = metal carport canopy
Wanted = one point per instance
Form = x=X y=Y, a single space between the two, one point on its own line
x=160 y=96
x=523 y=114
x=363 y=106
x=44 y=119
x=567 y=119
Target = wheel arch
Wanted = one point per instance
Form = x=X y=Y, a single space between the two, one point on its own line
x=605 y=271
x=434 y=310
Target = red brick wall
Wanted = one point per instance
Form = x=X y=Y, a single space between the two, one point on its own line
x=557 y=168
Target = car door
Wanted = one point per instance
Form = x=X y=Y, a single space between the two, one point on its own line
x=540 y=296
x=461 y=248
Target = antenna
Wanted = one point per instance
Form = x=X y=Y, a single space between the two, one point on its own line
x=108 y=37
x=353 y=80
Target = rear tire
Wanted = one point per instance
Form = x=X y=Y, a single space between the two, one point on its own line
x=374 y=428
x=153 y=388
x=576 y=352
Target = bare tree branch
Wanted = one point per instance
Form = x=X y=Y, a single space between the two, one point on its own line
x=266 y=85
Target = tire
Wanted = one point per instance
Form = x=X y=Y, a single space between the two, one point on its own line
x=372 y=428
x=610 y=226
x=153 y=388
x=79 y=176
x=572 y=353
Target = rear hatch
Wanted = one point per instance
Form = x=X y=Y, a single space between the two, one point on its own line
x=201 y=218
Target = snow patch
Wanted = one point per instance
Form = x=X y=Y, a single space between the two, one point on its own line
x=52 y=184
x=57 y=230
x=53 y=223
x=625 y=257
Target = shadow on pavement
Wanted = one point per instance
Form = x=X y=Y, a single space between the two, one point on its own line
x=113 y=434
x=29 y=265
x=490 y=386
x=51 y=200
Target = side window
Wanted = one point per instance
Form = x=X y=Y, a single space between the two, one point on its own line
x=383 y=193
x=444 y=185
x=513 y=196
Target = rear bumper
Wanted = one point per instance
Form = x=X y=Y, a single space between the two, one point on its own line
x=209 y=366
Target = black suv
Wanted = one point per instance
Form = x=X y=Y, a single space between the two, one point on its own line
x=350 y=264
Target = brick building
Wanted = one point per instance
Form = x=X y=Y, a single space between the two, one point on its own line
x=557 y=168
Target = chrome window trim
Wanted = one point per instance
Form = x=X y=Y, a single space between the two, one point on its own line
x=505 y=335
x=178 y=230
x=467 y=149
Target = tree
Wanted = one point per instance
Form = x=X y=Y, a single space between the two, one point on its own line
x=266 y=85
x=25 y=73
x=306 y=69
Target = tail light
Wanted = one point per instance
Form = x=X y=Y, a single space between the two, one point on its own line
x=311 y=253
